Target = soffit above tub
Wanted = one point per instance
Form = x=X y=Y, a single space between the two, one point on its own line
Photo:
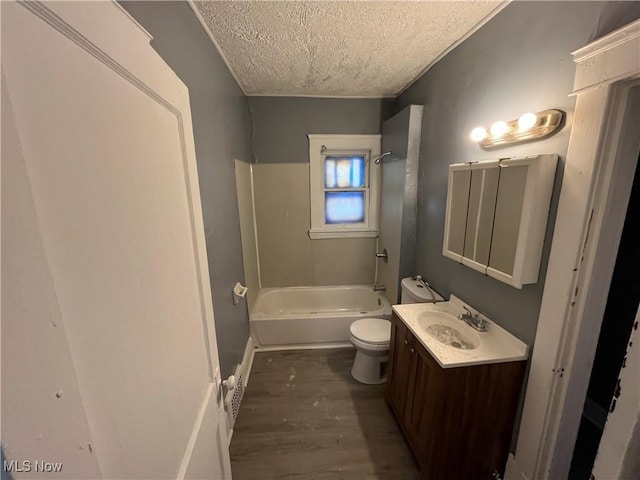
x=337 y=48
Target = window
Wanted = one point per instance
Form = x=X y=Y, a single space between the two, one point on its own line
x=344 y=189
x=344 y=185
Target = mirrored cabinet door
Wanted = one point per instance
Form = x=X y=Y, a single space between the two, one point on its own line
x=508 y=212
x=457 y=203
x=522 y=210
x=497 y=216
x=482 y=201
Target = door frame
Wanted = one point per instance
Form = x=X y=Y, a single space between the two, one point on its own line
x=129 y=54
x=597 y=176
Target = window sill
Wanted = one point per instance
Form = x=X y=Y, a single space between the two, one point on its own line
x=323 y=234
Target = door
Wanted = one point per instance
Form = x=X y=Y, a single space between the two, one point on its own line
x=400 y=373
x=613 y=381
x=100 y=130
x=424 y=406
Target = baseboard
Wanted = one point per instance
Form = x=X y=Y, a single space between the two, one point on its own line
x=302 y=346
x=247 y=360
x=242 y=371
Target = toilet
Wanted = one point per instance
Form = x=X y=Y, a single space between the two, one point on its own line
x=414 y=292
x=371 y=337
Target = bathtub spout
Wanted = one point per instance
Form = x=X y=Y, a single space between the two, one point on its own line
x=379 y=288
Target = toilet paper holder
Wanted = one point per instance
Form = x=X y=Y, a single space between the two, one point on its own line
x=239 y=292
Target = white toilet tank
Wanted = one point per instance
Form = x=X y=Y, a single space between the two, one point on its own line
x=414 y=292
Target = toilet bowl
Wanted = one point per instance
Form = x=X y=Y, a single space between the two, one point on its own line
x=371 y=338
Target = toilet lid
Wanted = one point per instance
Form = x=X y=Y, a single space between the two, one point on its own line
x=371 y=330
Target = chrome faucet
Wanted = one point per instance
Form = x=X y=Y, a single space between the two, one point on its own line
x=379 y=288
x=474 y=320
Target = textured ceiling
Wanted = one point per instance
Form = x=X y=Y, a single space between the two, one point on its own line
x=336 y=48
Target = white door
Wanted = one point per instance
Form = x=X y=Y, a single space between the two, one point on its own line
x=101 y=128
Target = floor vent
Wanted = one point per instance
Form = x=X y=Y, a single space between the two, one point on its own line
x=233 y=398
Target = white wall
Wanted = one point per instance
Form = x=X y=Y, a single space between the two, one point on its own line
x=288 y=257
x=244 y=187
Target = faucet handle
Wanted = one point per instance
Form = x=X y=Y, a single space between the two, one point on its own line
x=469 y=312
x=481 y=320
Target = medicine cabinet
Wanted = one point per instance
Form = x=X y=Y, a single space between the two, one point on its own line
x=497 y=214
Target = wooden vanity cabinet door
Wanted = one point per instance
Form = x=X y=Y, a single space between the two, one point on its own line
x=392 y=362
x=469 y=435
x=457 y=421
x=434 y=421
x=424 y=407
x=400 y=367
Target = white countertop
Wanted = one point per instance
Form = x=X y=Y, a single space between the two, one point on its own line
x=496 y=345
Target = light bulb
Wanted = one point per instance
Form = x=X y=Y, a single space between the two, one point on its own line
x=526 y=121
x=478 y=134
x=498 y=129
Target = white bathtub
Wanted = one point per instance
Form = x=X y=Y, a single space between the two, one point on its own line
x=312 y=315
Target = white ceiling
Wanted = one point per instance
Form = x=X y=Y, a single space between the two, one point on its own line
x=337 y=48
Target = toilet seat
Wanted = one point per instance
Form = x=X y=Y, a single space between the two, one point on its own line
x=375 y=332
x=369 y=347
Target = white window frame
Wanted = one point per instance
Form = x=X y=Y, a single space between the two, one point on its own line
x=321 y=146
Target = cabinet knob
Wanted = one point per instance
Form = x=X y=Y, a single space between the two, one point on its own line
x=412 y=350
x=406 y=342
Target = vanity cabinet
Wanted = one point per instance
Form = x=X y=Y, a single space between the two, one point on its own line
x=457 y=421
x=497 y=214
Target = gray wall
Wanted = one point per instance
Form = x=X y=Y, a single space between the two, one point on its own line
x=221 y=128
x=281 y=124
x=520 y=61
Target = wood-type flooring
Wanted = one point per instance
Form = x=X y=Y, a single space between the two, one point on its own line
x=304 y=417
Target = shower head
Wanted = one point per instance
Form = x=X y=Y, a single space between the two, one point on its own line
x=378 y=160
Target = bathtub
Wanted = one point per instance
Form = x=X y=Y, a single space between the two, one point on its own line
x=312 y=316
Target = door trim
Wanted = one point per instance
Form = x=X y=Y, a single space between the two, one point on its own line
x=193 y=438
x=570 y=311
x=94 y=34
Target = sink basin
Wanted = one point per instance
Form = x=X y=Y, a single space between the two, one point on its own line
x=449 y=331
x=452 y=342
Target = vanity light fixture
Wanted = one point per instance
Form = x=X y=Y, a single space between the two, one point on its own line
x=499 y=129
x=527 y=121
x=478 y=134
x=529 y=126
